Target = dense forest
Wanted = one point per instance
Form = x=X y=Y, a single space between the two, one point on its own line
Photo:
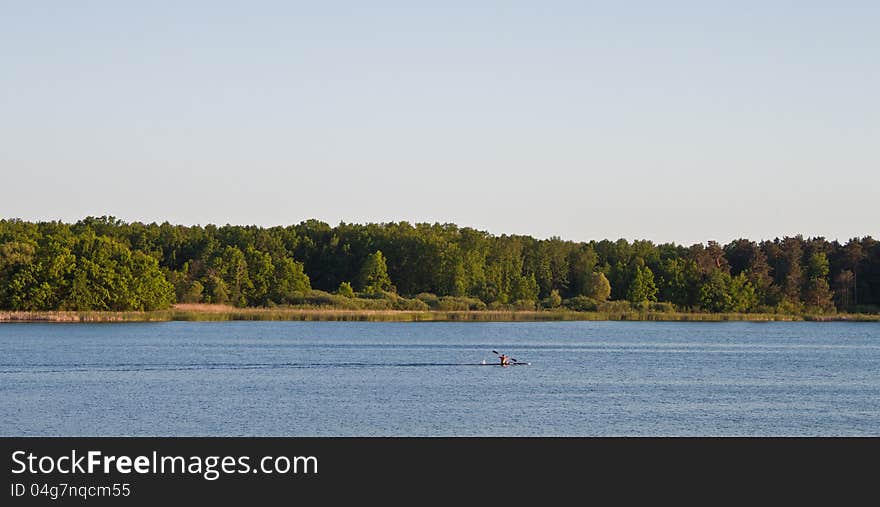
x=107 y=264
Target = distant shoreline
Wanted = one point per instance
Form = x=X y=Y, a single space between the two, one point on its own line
x=215 y=313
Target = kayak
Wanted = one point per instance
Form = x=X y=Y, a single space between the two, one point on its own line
x=509 y=364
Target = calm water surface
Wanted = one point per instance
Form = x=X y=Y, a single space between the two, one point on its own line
x=420 y=379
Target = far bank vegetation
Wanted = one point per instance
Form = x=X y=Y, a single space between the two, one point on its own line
x=106 y=265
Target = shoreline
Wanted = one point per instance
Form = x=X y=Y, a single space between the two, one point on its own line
x=211 y=313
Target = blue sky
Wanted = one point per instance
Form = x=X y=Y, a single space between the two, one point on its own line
x=669 y=121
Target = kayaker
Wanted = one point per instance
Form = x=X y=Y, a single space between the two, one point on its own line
x=504 y=360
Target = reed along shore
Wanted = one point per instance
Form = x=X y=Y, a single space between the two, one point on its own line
x=185 y=312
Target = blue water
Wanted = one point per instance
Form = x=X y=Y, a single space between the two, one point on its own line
x=419 y=379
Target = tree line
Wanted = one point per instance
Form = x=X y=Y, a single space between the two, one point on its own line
x=107 y=264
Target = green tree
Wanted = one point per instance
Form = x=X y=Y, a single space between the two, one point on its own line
x=231 y=267
x=743 y=294
x=504 y=269
x=557 y=252
x=453 y=272
x=218 y=291
x=487 y=291
x=43 y=282
x=525 y=288
x=290 y=281
x=581 y=265
x=554 y=300
x=680 y=282
x=192 y=293
x=721 y=292
x=715 y=292
x=642 y=287
x=345 y=290
x=817 y=267
x=817 y=294
x=15 y=257
x=148 y=286
x=374 y=277
x=261 y=274
x=109 y=276
x=758 y=273
x=100 y=281
x=597 y=287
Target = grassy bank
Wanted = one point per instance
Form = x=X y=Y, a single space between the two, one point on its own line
x=228 y=313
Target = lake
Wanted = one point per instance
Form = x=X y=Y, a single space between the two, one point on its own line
x=423 y=379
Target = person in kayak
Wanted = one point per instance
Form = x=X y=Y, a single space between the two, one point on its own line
x=504 y=359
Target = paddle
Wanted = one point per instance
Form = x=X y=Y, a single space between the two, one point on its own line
x=499 y=355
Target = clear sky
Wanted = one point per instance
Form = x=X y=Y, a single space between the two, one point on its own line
x=678 y=121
